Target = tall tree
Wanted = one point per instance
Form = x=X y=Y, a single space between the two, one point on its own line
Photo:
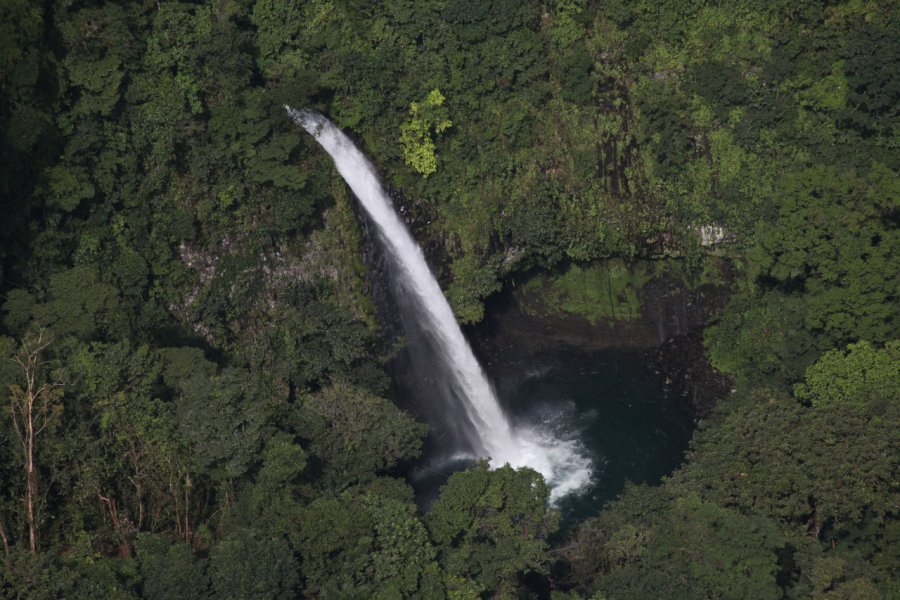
x=34 y=408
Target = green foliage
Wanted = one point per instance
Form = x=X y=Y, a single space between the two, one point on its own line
x=871 y=74
x=492 y=526
x=355 y=434
x=250 y=565
x=68 y=187
x=471 y=283
x=830 y=580
x=221 y=419
x=415 y=134
x=367 y=543
x=226 y=424
x=170 y=570
x=334 y=541
x=44 y=577
x=21 y=23
x=608 y=290
x=278 y=24
x=821 y=468
x=822 y=275
x=700 y=549
x=831 y=238
x=79 y=304
x=282 y=461
x=650 y=544
x=402 y=552
x=760 y=337
x=864 y=376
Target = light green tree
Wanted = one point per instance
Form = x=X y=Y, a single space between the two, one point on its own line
x=415 y=134
x=862 y=375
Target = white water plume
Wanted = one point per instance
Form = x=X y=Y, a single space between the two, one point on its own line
x=560 y=461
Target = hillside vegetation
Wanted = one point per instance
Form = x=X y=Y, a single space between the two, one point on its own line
x=194 y=402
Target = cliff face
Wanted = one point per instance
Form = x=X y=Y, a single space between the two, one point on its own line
x=609 y=304
x=653 y=310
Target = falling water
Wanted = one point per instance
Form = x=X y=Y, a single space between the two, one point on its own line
x=489 y=432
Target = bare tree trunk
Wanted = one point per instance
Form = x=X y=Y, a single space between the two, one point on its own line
x=122 y=526
x=32 y=410
x=139 y=491
x=187 y=508
x=175 y=504
x=31 y=484
x=137 y=482
x=5 y=541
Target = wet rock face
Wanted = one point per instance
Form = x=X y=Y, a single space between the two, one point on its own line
x=592 y=310
x=689 y=377
x=661 y=314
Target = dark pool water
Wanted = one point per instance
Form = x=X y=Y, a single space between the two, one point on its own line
x=613 y=402
x=617 y=406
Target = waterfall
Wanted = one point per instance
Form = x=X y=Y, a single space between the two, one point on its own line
x=488 y=431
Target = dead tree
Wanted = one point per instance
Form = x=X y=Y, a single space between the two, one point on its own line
x=33 y=407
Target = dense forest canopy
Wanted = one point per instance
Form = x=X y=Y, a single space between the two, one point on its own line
x=192 y=377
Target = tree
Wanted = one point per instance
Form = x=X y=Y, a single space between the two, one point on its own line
x=651 y=544
x=170 y=570
x=247 y=564
x=760 y=338
x=46 y=576
x=122 y=440
x=863 y=375
x=491 y=526
x=700 y=550
x=366 y=542
x=821 y=275
x=415 y=134
x=355 y=434
x=221 y=420
x=34 y=408
x=825 y=471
